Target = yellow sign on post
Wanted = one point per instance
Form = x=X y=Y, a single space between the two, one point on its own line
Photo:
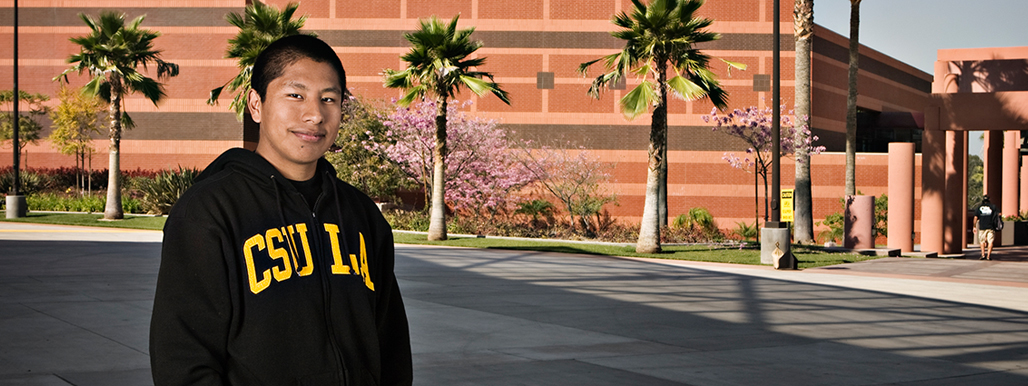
x=787 y=214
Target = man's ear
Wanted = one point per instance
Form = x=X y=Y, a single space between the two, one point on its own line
x=253 y=103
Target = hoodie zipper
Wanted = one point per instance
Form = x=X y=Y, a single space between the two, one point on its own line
x=326 y=283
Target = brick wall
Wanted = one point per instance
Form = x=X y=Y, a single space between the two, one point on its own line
x=521 y=39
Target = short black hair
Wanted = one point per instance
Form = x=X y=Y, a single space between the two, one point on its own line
x=288 y=50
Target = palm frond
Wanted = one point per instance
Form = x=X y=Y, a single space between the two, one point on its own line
x=126 y=120
x=638 y=100
x=439 y=62
x=685 y=89
x=476 y=85
x=412 y=94
x=215 y=93
x=259 y=25
x=661 y=34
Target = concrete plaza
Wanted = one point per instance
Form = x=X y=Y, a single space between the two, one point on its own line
x=75 y=307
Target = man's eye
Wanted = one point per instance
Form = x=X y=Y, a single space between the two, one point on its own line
x=328 y=99
x=297 y=96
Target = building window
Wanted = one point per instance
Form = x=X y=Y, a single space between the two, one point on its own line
x=874 y=135
x=620 y=85
x=761 y=82
x=544 y=80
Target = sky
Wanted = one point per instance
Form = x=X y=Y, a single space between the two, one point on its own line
x=912 y=31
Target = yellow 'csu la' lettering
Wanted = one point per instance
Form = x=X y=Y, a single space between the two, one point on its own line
x=308 y=268
x=285 y=252
x=340 y=268
x=285 y=271
x=255 y=285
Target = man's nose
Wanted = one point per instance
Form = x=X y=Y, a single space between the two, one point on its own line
x=312 y=112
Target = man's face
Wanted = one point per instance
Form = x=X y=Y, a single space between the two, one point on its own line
x=299 y=117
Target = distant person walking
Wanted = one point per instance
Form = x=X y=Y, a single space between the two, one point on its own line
x=985 y=219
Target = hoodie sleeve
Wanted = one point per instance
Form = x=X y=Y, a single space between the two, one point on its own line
x=391 y=318
x=192 y=308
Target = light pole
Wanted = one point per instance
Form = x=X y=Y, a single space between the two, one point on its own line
x=776 y=119
x=775 y=242
x=15 y=201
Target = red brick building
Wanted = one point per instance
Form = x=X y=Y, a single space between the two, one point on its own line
x=533 y=48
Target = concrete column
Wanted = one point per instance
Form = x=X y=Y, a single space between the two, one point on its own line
x=992 y=158
x=967 y=223
x=1024 y=183
x=901 y=196
x=859 y=220
x=933 y=181
x=953 y=204
x=1011 y=166
x=992 y=175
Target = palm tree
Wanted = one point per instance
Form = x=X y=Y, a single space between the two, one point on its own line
x=111 y=54
x=658 y=37
x=438 y=65
x=803 y=30
x=259 y=26
x=851 y=100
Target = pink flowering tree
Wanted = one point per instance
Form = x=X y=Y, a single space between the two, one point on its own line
x=753 y=126
x=482 y=173
x=574 y=177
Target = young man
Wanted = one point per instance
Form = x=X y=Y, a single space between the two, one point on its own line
x=273 y=271
x=984 y=222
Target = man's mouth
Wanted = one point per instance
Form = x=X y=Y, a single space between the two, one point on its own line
x=308 y=136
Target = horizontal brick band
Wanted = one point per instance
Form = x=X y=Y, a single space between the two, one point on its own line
x=57 y=16
x=545 y=39
x=842 y=54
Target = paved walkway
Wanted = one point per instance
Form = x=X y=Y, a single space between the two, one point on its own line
x=75 y=306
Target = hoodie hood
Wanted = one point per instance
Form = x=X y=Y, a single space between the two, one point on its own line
x=252 y=165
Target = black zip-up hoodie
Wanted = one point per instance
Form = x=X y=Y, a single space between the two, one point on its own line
x=256 y=289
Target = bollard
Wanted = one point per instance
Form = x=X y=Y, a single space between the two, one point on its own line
x=16 y=207
x=775 y=248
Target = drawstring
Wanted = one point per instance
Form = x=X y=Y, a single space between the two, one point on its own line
x=278 y=200
x=339 y=213
x=285 y=226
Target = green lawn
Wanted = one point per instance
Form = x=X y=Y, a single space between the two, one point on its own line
x=808 y=257
x=88 y=219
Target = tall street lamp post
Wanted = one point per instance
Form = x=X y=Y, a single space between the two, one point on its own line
x=15 y=201
x=774 y=239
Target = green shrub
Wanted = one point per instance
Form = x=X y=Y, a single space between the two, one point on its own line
x=535 y=209
x=699 y=220
x=746 y=231
x=89 y=204
x=408 y=220
x=162 y=191
x=835 y=225
x=30 y=182
x=1023 y=216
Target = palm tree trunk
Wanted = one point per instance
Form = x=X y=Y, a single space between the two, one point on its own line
x=649 y=228
x=803 y=222
x=113 y=210
x=767 y=211
x=437 y=220
x=662 y=193
x=756 y=201
x=851 y=100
